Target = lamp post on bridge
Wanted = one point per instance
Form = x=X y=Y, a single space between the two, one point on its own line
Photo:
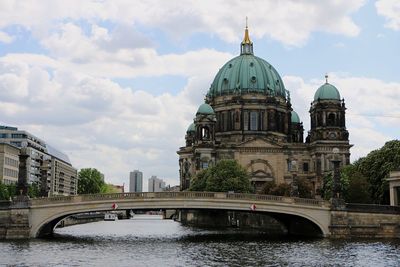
x=337 y=200
x=294 y=192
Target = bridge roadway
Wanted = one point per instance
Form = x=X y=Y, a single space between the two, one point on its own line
x=45 y=213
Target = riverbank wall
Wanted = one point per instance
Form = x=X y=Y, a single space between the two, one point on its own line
x=366 y=221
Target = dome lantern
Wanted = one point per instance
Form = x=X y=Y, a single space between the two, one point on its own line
x=246 y=47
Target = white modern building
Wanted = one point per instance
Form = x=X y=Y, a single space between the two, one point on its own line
x=156 y=184
x=46 y=166
x=136 y=181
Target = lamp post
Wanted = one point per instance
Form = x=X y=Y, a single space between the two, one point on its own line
x=337 y=200
x=294 y=186
x=336 y=188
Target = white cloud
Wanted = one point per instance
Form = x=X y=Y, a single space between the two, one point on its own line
x=390 y=9
x=97 y=122
x=6 y=38
x=217 y=17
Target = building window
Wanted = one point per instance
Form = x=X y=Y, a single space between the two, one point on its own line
x=204 y=165
x=253 y=121
x=245 y=120
x=237 y=118
x=305 y=167
x=331 y=119
x=205 y=133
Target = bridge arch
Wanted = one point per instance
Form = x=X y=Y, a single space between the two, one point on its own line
x=45 y=214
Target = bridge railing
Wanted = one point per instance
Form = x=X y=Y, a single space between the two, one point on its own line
x=372 y=208
x=5 y=204
x=176 y=195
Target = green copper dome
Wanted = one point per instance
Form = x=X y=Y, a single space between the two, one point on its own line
x=247 y=73
x=205 y=109
x=327 y=91
x=191 y=128
x=295 y=117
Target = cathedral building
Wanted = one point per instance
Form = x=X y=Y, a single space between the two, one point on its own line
x=247 y=116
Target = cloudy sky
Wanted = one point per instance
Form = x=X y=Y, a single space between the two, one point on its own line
x=115 y=84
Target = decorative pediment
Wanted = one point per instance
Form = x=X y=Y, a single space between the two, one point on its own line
x=259 y=142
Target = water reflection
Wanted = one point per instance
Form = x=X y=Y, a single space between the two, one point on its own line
x=154 y=242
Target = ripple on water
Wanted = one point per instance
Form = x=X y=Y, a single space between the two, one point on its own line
x=149 y=242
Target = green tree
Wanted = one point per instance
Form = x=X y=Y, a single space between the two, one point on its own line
x=34 y=190
x=327 y=183
x=304 y=187
x=90 y=181
x=108 y=188
x=198 y=182
x=281 y=190
x=376 y=167
x=226 y=175
x=358 y=187
x=268 y=188
x=7 y=191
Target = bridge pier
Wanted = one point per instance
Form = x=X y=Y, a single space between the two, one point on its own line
x=14 y=219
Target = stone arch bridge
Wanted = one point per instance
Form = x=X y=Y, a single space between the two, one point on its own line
x=46 y=213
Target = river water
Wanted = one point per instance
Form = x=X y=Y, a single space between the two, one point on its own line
x=149 y=241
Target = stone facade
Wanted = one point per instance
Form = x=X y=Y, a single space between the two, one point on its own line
x=247 y=116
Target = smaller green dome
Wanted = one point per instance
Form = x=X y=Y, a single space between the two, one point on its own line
x=327 y=91
x=205 y=109
x=295 y=117
x=190 y=128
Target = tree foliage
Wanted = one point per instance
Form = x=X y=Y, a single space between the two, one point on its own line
x=376 y=167
x=91 y=181
x=226 y=175
x=327 y=183
x=7 y=191
x=357 y=190
x=34 y=190
x=304 y=188
x=10 y=190
x=364 y=181
x=108 y=188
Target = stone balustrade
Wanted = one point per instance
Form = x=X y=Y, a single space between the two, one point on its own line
x=177 y=195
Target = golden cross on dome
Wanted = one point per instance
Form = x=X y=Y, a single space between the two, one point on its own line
x=246 y=39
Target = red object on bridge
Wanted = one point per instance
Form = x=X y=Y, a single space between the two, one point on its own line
x=253 y=207
x=114 y=206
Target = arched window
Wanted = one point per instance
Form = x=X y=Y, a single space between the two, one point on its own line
x=331 y=121
x=253 y=121
x=205 y=133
